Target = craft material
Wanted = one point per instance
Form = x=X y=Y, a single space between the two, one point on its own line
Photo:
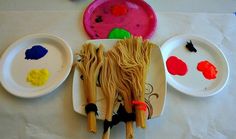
x=208 y=70
x=119 y=9
x=36 y=52
x=108 y=86
x=141 y=105
x=135 y=16
x=194 y=83
x=38 y=77
x=89 y=65
x=123 y=109
x=133 y=57
x=123 y=116
x=124 y=89
x=191 y=47
x=119 y=33
x=98 y=19
x=176 y=66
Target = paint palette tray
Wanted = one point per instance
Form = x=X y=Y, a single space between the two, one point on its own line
x=134 y=16
x=194 y=83
x=15 y=65
x=155 y=86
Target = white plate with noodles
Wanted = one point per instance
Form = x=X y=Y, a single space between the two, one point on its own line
x=155 y=86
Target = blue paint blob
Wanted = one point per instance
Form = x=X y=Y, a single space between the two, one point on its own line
x=234 y=13
x=36 y=52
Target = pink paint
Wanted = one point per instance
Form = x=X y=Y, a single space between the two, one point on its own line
x=176 y=66
x=208 y=70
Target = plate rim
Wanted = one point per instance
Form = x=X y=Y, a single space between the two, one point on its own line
x=87 y=11
x=49 y=89
x=203 y=40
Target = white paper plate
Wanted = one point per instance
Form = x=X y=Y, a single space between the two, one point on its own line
x=194 y=83
x=14 y=67
x=156 y=86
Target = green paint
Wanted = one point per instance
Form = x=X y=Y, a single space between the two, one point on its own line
x=119 y=33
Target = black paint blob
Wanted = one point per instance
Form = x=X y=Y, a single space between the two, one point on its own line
x=98 y=19
x=190 y=47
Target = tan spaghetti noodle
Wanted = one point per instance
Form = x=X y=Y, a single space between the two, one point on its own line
x=108 y=86
x=90 y=64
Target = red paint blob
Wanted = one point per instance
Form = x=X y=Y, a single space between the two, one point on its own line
x=208 y=69
x=176 y=66
x=119 y=10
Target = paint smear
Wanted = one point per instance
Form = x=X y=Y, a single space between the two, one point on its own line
x=176 y=66
x=38 y=77
x=119 y=10
x=98 y=19
x=208 y=70
x=190 y=47
x=36 y=52
x=119 y=33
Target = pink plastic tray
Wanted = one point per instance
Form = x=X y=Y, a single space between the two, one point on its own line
x=140 y=19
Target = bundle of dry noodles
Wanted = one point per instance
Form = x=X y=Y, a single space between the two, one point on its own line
x=133 y=57
x=108 y=86
x=124 y=90
x=123 y=72
x=89 y=65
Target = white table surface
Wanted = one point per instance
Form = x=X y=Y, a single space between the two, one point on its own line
x=184 y=117
x=215 y=6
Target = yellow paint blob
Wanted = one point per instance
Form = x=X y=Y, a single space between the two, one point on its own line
x=38 y=77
